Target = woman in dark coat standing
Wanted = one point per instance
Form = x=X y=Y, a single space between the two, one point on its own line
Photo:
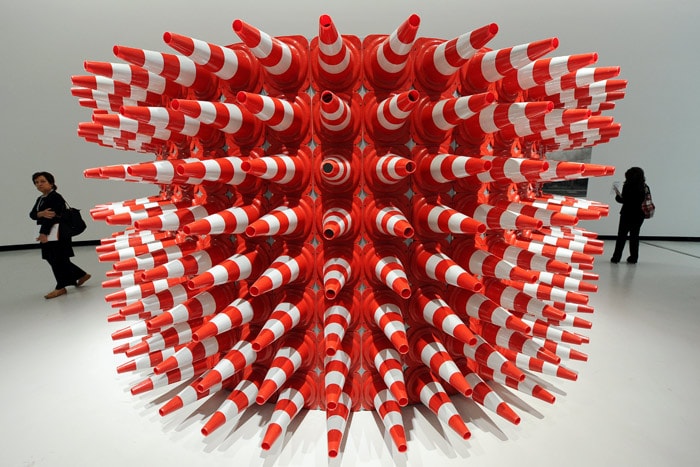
x=57 y=252
x=631 y=214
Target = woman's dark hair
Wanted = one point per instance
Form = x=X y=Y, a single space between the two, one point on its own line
x=49 y=178
x=635 y=175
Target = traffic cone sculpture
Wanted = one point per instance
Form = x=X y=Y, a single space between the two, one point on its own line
x=335 y=58
x=299 y=392
x=378 y=397
x=423 y=386
x=309 y=192
x=339 y=315
x=336 y=419
x=234 y=65
x=379 y=354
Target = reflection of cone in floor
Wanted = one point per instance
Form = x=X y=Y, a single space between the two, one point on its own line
x=379 y=398
x=428 y=348
x=350 y=400
x=424 y=387
x=339 y=316
x=384 y=311
x=242 y=397
x=295 y=309
x=234 y=65
x=428 y=307
x=300 y=391
x=337 y=367
x=378 y=353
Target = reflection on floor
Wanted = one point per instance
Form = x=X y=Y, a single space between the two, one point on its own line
x=63 y=404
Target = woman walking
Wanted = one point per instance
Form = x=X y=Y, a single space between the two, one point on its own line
x=56 y=245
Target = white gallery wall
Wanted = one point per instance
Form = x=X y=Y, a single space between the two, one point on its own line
x=45 y=42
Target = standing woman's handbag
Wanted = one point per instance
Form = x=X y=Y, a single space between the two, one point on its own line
x=73 y=221
x=648 y=205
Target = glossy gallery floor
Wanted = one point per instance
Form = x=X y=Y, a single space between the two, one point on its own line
x=63 y=404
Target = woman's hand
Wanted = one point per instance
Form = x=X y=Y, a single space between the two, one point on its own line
x=47 y=213
x=42 y=238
